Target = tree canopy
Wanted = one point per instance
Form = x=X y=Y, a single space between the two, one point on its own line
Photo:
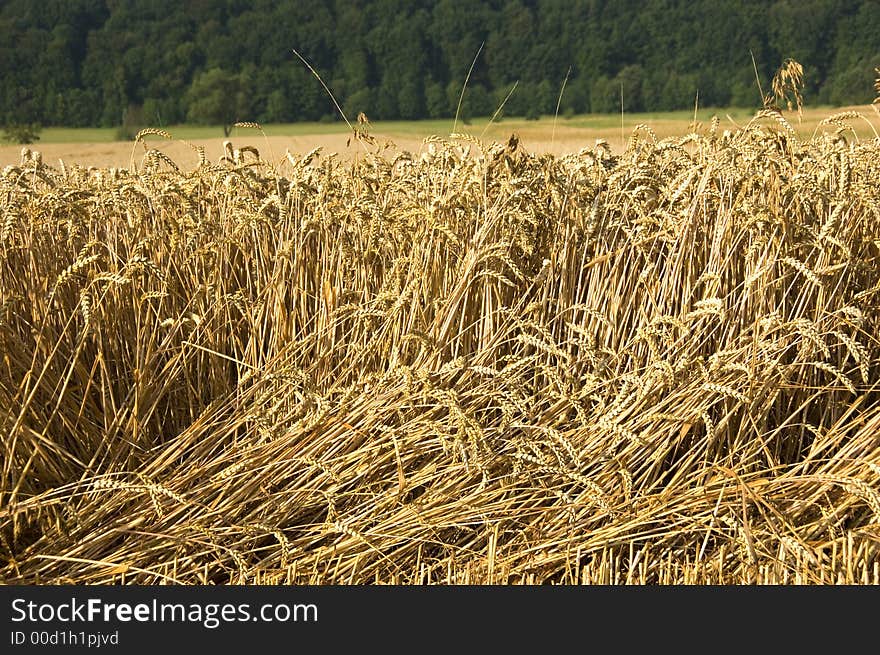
x=90 y=62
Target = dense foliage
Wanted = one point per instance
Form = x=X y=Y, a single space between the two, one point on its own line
x=90 y=62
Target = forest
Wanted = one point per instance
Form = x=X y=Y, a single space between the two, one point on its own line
x=162 y=62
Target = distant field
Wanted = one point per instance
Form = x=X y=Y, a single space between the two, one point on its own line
x=98 y=147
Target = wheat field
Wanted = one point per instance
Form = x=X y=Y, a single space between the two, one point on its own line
x=466 y=364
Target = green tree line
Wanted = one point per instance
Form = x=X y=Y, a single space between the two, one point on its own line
x=102 y=62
